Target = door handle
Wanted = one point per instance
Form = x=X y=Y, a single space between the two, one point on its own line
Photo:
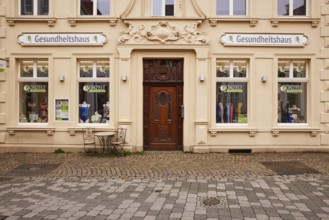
x=182 y=111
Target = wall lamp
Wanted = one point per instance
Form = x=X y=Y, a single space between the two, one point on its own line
x=61 y=78
x=202 y=78
x=124 y=78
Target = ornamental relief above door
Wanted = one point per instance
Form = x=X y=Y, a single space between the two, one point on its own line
x=163 y=32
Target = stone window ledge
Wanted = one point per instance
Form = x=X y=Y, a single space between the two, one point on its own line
x=73 y=130
x=252 y=21
x=313 y=131
x=12 y=21
x=48 y=130
x=74 y=20
x=313 y=21
x=213 y=131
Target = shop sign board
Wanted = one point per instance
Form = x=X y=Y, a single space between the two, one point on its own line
x=264 y=40
x=3 y=65
x=62 y=109
x=62 y=39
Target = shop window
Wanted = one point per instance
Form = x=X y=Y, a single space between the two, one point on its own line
x=94 y=104
x=231 y=7
x=231 y=91
x=33 y=91
x=292 y=91
x=163 y=7
x=292 y=7
x=95 y=7
x=34 y=7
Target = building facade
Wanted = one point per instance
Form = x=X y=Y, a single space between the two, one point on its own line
x=189 y=75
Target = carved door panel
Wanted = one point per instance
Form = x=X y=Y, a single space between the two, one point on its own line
x=163 y=118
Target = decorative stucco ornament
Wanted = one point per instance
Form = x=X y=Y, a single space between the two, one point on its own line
x=163 y=33
x=132 y=32
x=193 y=35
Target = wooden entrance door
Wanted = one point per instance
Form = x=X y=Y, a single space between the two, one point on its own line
x=163 y=116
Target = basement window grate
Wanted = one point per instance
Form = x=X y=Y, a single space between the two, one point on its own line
x=239 y=151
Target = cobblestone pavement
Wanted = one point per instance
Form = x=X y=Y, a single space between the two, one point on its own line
x=160 y=185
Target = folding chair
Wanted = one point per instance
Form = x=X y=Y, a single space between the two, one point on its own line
x=119 y=140
x=89 y=137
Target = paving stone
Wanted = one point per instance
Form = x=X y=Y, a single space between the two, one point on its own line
x=131 y=188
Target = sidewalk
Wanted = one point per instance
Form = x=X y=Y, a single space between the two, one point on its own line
x=160 y=185
x=164 y=164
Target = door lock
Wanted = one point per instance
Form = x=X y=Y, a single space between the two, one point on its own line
x=182 y=111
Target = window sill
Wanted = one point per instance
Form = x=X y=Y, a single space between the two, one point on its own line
x=72 y=131
x=313 y=21
x=32 y=127
x=163 y=18
x=50 y=21
x=214 y=20
x=112 y=20
x=313 y=131
x=213 y=131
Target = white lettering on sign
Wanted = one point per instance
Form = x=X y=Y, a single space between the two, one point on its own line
x=59 y=39
x=273 y=40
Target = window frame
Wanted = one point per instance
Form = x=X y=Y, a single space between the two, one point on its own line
x=33 y=79
x=232 y=79
x=94 y=79
x=35 y=9
x=163 y=9
x=292 y=79
x=231 y=10
x=291 y=10
x=95 y=9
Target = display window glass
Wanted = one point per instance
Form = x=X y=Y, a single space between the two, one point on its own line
x=292 y=91
x=34 y=7
x=292 y=7
x=94 y=93
x=95 y=7
x=33 y=91
x=163 y=7
x=231 y=91
x=231 y=7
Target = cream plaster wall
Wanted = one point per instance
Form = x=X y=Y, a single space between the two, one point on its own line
x=201 y=134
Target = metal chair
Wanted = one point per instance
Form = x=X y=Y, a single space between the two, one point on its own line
x=119 y=140
x=89 y=137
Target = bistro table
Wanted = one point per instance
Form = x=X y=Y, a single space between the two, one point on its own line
x=105 y=138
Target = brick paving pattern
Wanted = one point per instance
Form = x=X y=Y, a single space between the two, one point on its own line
x=159 y=185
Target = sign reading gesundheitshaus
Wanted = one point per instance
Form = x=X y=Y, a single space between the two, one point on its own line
x=62 y=39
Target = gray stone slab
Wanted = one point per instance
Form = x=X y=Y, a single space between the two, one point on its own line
x=290 y=168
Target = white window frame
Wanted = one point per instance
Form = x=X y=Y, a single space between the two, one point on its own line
x=35 y=8
x=94 y=79
x=163 y=8
x=292 y=79
x=232 y=79
x=231 y=9
x=291 y=10
x=95 y=3
x=32 y=79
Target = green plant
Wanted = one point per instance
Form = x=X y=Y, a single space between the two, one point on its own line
x=59 y=151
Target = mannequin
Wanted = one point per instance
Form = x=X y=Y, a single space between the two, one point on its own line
x=33 y=116
x=221 y=109
x=84 y=112
x=43 y=110
x=106 y=111
x=96 y=118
